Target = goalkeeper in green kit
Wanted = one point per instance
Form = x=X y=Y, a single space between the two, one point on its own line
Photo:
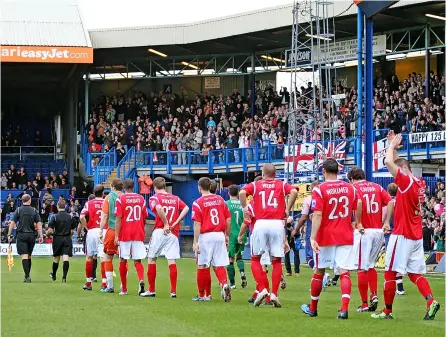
x=235 y=250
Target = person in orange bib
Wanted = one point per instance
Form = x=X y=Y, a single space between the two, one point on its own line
x=108 y=218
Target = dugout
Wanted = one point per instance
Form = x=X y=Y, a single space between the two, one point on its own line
x=45 y=49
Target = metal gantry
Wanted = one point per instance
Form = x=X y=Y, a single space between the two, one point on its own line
x=313 y=30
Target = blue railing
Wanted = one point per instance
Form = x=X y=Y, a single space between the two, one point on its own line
x=240 y=159
x=105 y=165
x=126 y=164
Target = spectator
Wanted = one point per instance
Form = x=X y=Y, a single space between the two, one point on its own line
x=40 y=181
x=4 y=181
x=21 y=179
x=120 y=152
x=145 y=184
x=48 y=197
x=95 y=147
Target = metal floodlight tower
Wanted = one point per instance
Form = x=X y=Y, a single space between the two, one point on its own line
x=310 y=32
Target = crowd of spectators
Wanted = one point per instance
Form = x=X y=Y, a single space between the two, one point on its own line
x=168 y=122
x=434 y=223
x=161 y=123
x=15 y=179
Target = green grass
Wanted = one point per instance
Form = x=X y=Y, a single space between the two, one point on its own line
x=54 y=309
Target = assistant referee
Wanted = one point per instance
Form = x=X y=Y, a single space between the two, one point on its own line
x=62 y=226
x=27 y=218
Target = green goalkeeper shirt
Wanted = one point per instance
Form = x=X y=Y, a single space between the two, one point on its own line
x=236 y=216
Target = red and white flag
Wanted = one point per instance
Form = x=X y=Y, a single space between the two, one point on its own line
x=379 y=154
x=302 y=160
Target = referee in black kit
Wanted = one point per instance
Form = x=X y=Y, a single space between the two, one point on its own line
x=27 y=218
x=62 y=226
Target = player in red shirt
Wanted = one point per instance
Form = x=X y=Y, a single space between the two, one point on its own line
x=164 y=240
x=333 y=202
x=92 y=209
x=130 y=213
x=404 y=253
x=212 y=226
x=367 y=245
x=269 y=233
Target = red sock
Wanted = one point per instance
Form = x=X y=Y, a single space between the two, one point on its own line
x=123 y=274
x=346 y=290
x=363 y=286
x=222 y=277
x=139 y=270
x=423 y=286
x=173 y=273
x=373 y=281
x=208 y=281
x=258 y=273
x=276 y=275
x=151 y=276
x=316 y=289
x=88 y=272
x=201 y=281
x=104 y=279
x=389 y=290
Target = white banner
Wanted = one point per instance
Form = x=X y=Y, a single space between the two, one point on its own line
x=427 y=137
x=46 y=249
x=347 y=50
x=379 y=154
x=212 y=82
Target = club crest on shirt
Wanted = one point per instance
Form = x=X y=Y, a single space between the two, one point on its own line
x=153 y=204
x=313 y=203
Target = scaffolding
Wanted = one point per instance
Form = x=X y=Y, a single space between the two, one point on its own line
x=311 y=107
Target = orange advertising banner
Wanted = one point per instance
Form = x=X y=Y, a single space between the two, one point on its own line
x=39 y=54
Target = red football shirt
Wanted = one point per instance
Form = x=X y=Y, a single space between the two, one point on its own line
x=212 y=212
x=373 y=198
x=337 y=200
x=269 y=198
x=93 y=209
x=252 y=220
x=172 y=205
x=409 y=198
x=131 y=208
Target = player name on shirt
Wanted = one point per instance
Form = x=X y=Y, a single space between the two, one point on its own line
x=340 y=190
x=213 y=203
x=132 y=200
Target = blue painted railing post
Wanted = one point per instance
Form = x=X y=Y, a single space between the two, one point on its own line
x=244 y=166
x=256 y=155
x=227 y=159
x=151 y=162
x=369 y=99
x=210 y=162
x=169 y=163
x=358 y=145
x=269 y=151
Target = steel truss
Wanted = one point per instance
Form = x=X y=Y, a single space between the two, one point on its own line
x=308 y=108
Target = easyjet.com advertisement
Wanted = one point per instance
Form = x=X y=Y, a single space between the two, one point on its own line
x=46 y=54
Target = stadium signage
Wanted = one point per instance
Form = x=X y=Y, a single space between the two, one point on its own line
x=347 y=50
x=301 y=58
x=427 y=137
x=38 y=54
x=212 y=82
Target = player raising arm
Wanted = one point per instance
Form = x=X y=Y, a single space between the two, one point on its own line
x=333 y=203
x=130 y=213
x=164 y=239
x=269 y=232
x=404 y=253
x=367 y=245
x=212 y=225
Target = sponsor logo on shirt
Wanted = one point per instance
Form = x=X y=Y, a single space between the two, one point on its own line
x=313 y=203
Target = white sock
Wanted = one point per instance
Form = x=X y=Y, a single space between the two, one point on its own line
x=109 y=279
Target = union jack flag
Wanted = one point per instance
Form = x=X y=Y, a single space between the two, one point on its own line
x=332 y=151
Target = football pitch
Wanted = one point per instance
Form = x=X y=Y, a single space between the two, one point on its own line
x=52 y=308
